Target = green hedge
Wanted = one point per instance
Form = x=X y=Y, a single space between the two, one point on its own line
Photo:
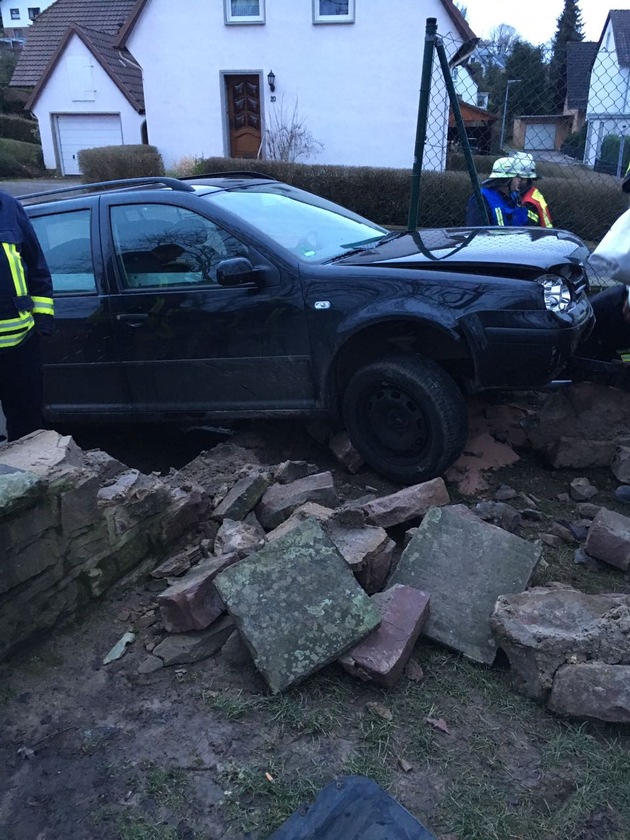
x=17 y=128
x=580 y=200
x=20 y=160
x=109 y=163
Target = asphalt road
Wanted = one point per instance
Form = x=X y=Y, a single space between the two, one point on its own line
x=36 y=185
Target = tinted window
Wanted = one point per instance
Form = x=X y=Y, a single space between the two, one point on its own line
x=67 y=244
x=162 y=245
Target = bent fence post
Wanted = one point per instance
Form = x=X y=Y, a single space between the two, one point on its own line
x=421 y=126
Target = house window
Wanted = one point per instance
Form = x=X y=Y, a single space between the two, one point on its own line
x=244 y=11
x=33 y=12
x=15 y=14
x=333 y=11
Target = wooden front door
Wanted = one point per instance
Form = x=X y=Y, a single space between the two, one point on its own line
x=243 y=98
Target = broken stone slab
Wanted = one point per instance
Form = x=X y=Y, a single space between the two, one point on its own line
x=547 y=627
x=408 y=504
x=466 y=564
x=45 y=453
x=290 y=471
x=499 y=513
x=193 y=603
x=119 y=648
x=280 y=500
x=588 y=510
x=620 y=464
x=592 y=690
x=342 y=448
x=581 y=489
x=609 y=538
x=383 y=655
x=242 y=537
x=296 y=605
x=368 y=551
x=310 y=509
x=187 y=648
x=150 y=664
x=187 y=506
x=242 y=498
x=19 y=489
x=179 y=563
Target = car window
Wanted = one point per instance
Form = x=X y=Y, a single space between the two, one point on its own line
x=161 y=245
x=66 y=241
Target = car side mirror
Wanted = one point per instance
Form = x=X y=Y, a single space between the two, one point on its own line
x=235 y=271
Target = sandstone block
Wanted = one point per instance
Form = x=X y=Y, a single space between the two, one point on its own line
x=609 y=538
x=620 y=464
x=342 y=448
x=192 y=647
x=410 y=503
x=242 y=537
x=592 y=690
x=382 y=656
x=280 y=500
x=242 y=498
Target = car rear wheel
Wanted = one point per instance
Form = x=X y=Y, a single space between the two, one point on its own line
x=406 y=417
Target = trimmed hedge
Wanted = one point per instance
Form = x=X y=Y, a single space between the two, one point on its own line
x=17 y=128
x=20 y=160
x=109 y=163
x=580 y=201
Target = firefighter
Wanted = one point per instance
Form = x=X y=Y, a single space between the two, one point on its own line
x=500 y=193
x=529 y=195
x=26 y=312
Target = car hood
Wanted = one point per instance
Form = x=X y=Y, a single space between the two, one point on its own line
x=493 y=250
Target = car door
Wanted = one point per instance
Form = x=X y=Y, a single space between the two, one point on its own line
x=82 y=373
x=189 y=344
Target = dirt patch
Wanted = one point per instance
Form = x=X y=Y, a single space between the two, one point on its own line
x=203 y=751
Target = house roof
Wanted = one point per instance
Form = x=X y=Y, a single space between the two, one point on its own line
x=119 y=65
x=459 y=21
x=580 y=58
x=50 y=28
x=620 y=20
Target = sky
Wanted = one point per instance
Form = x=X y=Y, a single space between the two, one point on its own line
x=535 y=20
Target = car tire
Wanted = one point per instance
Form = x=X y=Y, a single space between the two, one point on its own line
x=406 y=417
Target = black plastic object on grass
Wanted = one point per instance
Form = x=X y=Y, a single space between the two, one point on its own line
x=352 y=808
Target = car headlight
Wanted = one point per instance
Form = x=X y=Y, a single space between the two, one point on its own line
x=556 y=293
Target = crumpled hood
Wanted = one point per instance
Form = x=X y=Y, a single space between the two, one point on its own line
x=445 y=248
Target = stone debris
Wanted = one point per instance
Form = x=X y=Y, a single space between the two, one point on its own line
x=343 y=450
x=547 y=627
x=296 y=605
x=465 y=564
x=499 y=513
x=193 y=603
x=119 y=648
x=290 y=471
x=242 y=498
x=581 y=489
x=368 y=551
x=620 y=464
x=179 y=563
x=241 y=537
x=280 y=500
x=186 y=648
x=407 y=505
x=383 y=655
x=609 y=539
x=588 y=510
x=308 y=510
x=592 y=690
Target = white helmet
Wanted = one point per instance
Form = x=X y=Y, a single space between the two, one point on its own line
x=503 y=168
x=524 y=165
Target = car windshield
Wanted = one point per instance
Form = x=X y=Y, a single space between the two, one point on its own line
x=310 y=227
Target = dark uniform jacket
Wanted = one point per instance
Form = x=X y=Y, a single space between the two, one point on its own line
x=25 y=283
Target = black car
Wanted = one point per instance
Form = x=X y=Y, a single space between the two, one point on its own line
x=240 y=296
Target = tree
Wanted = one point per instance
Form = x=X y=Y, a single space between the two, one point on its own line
x=530 y=95
x=501 y=42
x=288 y=138
x=569 y=28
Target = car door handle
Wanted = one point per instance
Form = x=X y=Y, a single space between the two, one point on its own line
x=133 y=319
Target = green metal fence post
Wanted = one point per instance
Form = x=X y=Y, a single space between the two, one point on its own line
x=461 y=129
x=421 y=127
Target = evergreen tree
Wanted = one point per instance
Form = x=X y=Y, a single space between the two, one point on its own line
x=530 y=95
x=569 y=28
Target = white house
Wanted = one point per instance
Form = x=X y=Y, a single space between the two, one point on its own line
x=233 y=73
x=18 y=15
x=608 y=108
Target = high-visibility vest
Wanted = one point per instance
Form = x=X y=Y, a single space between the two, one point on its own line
x=503 y=210
x=18 y=308
x=540 y=215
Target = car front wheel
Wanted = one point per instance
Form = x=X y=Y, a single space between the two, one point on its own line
x=406 y=417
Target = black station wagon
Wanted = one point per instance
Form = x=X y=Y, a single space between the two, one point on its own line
x=236 y=295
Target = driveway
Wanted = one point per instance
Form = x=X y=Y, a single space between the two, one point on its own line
x=37 y=185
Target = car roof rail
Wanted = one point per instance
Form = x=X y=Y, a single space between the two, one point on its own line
x=237 y=173
x=173 y=183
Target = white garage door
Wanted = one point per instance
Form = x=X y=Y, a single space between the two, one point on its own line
x=85 y=131
x=540 y=136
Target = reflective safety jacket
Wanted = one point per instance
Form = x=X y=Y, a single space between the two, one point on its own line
x=502 y=210
x=25 y=283
x=537 y=208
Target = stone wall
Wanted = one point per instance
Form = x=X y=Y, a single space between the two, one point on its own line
x=72 y=523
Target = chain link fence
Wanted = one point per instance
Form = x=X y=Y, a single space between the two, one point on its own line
x=581 y=149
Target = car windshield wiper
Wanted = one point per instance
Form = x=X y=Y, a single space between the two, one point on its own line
x=358 y=247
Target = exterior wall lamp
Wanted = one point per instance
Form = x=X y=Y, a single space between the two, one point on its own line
x=271 y=80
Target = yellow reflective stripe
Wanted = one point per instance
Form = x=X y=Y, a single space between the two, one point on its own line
x=12 y=340
x=17 y=269
x=43 y=305
x=499 y=213
x=24 y=320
